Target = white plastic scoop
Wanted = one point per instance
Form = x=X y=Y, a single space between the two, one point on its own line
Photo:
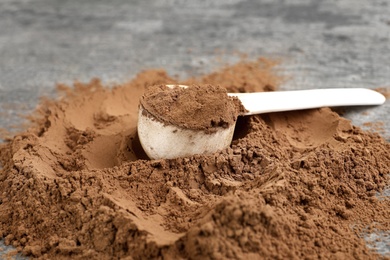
x=162 y=141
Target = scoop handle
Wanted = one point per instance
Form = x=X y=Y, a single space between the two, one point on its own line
x=276 y=101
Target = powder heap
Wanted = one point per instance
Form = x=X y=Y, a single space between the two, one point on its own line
x=292 y=185
x=194 y=107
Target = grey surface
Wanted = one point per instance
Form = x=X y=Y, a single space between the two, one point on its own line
x=322 y=44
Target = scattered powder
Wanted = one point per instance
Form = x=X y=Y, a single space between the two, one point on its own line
x=378 y=127
x=205 y=108
x=384 y=91
x=292 y=185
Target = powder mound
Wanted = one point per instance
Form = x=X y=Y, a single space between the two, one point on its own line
x=292 y=185
x=194 y=107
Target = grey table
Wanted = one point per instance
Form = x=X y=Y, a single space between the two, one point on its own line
x=322 y=44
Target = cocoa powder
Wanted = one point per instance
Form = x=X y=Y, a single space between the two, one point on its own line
x=206 y=108
x=293 y=185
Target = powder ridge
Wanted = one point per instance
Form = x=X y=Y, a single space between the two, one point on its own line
x=293 y=185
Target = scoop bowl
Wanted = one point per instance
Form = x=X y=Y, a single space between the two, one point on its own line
x=160 y=140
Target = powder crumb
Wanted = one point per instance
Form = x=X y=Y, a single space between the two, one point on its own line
x=292 y=185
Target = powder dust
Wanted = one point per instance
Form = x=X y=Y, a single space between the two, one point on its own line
x=293 y=185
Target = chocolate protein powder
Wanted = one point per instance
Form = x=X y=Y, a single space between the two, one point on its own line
x=294 y=185
x=196 y=107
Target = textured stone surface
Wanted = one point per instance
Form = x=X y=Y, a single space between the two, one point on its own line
x=321 y=43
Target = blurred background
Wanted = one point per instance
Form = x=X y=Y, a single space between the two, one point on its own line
x=322 y=44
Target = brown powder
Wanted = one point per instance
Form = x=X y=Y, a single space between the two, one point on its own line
x=384 y=91
x=292 y=185
x=378 y=127
x=196 y=107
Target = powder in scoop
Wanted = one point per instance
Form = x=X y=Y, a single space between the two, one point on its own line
x=292 y=185
x=195 y=107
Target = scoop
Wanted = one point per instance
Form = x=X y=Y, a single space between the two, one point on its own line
x=166 y=141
